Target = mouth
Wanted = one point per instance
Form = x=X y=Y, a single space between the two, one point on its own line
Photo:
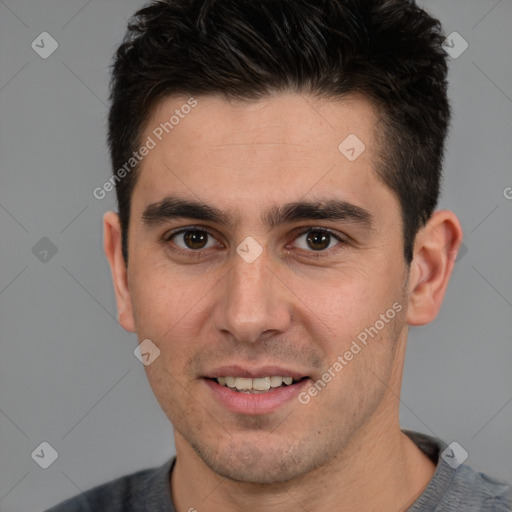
x=258 y=391
x=256 y=385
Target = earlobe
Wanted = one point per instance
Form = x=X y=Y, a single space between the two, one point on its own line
x=112 y=243
x=435 y=250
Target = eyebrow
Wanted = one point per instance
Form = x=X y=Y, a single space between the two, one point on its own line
x=332 y=209
x=173 y=208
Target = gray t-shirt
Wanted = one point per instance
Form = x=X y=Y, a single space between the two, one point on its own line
x=450 y=490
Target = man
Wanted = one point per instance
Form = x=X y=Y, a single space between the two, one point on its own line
x=277 y=167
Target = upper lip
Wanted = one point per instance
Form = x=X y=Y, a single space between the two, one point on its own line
x=253 y=373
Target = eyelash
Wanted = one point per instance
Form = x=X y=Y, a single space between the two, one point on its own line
x=200 y=253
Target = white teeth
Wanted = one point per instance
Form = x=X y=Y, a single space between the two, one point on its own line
x=275 y=382
x=242 y=383
x=259 y=384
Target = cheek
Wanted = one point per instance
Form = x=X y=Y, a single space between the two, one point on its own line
x=173 y=311
x=358 y=309
x=167 y=387
x=161 y=297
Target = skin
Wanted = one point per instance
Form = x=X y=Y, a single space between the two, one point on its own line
x=293 y=306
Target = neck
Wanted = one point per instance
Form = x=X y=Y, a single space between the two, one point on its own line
x=381 y=470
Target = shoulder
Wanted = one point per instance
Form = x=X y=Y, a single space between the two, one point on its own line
x=483 y=492
x=457 y=486
x=147 y=489
x=464 y=488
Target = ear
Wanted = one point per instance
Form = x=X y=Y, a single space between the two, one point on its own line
x=113 y=250
x=435 y=249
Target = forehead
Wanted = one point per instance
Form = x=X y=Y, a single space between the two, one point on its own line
x=273 y=150
x=283 y=118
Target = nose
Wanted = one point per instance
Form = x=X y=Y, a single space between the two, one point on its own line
x=252 y=301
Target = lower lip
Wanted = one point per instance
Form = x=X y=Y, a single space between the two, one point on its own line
x=255 y=403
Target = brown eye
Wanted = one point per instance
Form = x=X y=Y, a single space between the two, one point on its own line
x=193 y=239
x=316 y=240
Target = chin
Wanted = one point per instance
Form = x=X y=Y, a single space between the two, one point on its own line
x=263 y=473
x=261 y=465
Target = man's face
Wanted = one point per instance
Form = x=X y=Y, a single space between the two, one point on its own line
x=324 y=275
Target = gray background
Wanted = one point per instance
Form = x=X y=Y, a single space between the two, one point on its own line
x=67 y=371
